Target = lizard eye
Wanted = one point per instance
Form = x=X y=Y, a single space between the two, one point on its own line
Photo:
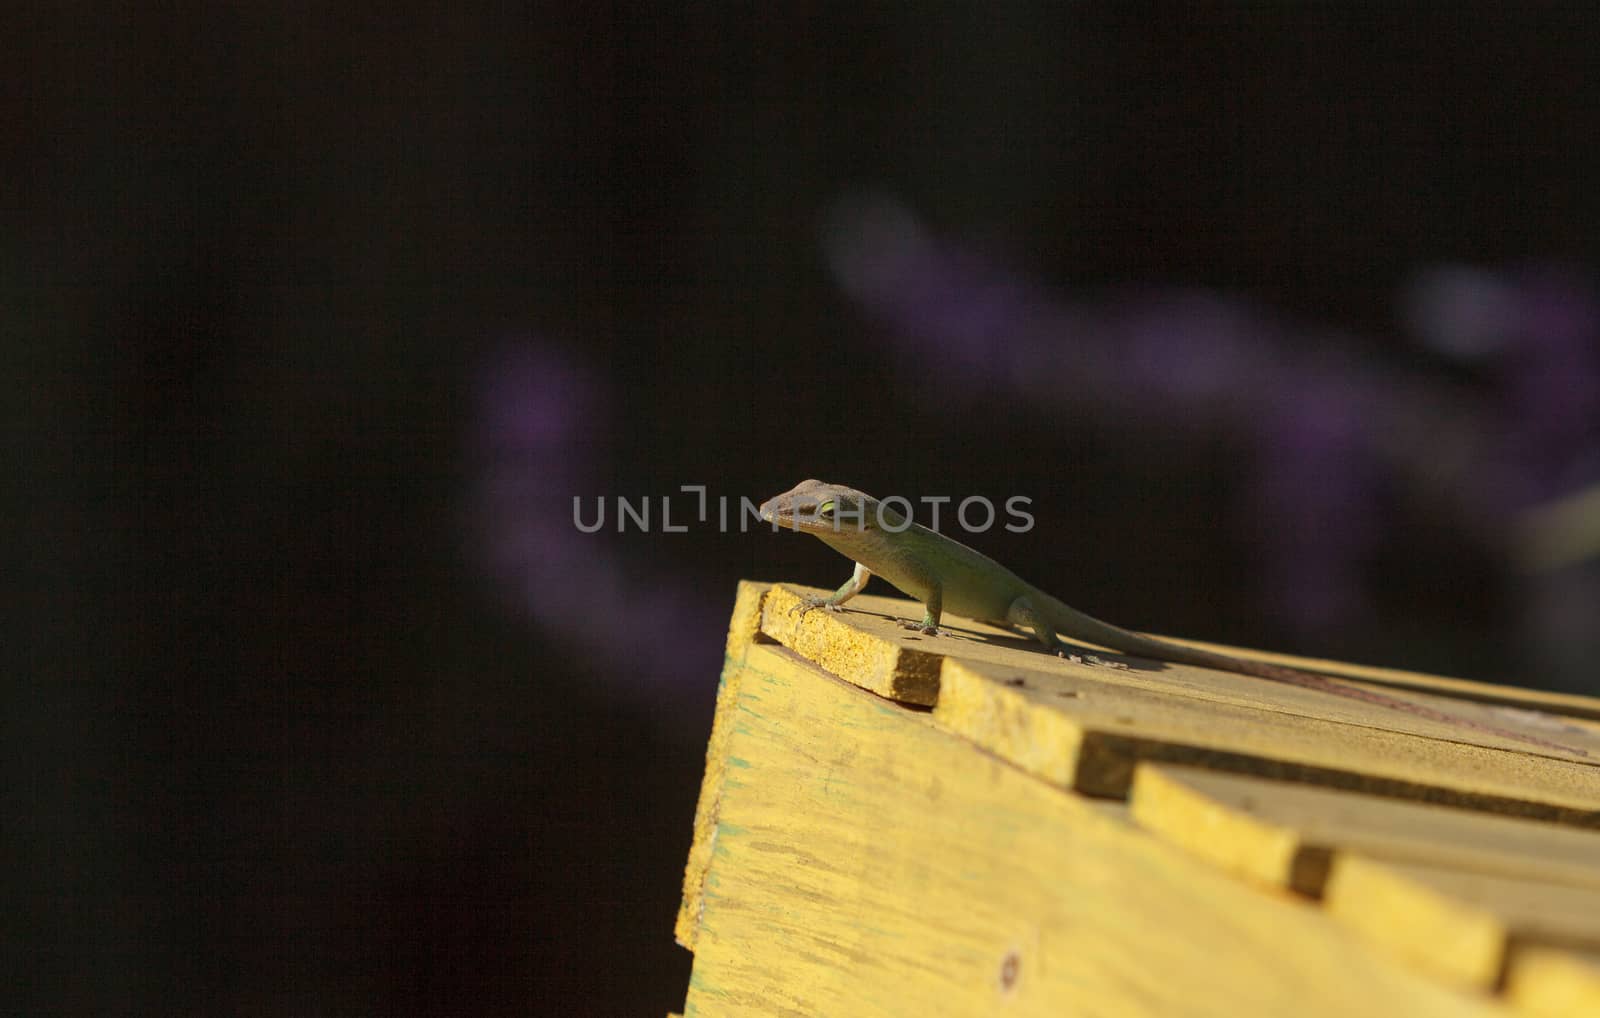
x=825 y=508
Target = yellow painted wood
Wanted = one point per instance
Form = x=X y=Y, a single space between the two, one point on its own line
x=1086 y=728
x=1565 y=707
x=1549 y=713
x=744 y=628
x=1286 y=834
x=1549 y=983
x=1453 y=924
x=1172 y=803
x=742 y=632
x=869 y=648
x=866 y=862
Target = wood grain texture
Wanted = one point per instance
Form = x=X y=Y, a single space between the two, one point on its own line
x=866 y=646
x=1511 y=699
x=865 y=862
x=743 y=631
x=855 y=855
x=871 y=648
x=1455 y=924
x=1087 y=728
x=1287 y=834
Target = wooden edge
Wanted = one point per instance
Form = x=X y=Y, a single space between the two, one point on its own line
x=866 y=646
x=1519 y=911
x=1005 y=721
x=1518 y=698
x=1079 y=730
x=1177 y=812
x=742 y=631
x=1459 y=924
x=744 y=626
x=1545 y=982
x=1453 y=940
x=891 y=812
x=1299 y=827
x=866 y=652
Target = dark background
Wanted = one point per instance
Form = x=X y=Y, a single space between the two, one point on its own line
x=315 y=323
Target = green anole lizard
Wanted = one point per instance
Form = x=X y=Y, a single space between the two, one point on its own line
x=946 y=575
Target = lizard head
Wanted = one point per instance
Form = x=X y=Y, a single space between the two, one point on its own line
x=817 y=507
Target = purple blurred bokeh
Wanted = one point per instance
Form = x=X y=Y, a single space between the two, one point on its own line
x=1329 y=428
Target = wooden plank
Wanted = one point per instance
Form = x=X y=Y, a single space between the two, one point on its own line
x=743 y=630
x=1287 y=834
x=868 y=647
x=1073 y=726
x=744 y=627
x=1549 y=983
x=1513 y=700
x=1454 y=924
x=870 y=650
x=867 y=862
x=1551 y=714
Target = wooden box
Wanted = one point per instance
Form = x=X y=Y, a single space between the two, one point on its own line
x=897 y=824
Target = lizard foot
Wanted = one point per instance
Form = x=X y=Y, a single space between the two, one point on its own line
x=1087 y=659
x=919 y=627
x=811 y=604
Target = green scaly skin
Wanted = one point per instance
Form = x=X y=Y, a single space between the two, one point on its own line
x=946 y=575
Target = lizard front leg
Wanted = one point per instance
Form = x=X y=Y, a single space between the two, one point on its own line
x=810 y=603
